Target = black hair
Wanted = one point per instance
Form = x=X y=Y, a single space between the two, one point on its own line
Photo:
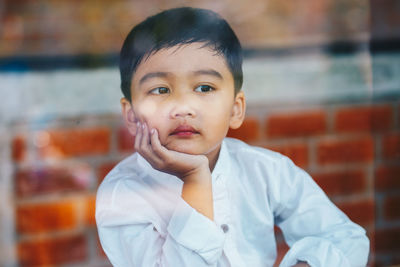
x=180 y=26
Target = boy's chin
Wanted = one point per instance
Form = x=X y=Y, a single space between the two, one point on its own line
x=183 y=149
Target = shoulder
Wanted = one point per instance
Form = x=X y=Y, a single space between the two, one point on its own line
x=284 y=181
x=121 y=193
x=133 y=192
x=127 y=168
x=261 y=163
x=127 y=171
x=133 y=183
x=242 y=152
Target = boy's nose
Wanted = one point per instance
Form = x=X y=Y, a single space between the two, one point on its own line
x=182 y=108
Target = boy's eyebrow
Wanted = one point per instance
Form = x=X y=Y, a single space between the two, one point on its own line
x=158 y=74
x=162 y=74
x=209 y=72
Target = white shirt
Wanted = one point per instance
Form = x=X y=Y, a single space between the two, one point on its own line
x=142 y=219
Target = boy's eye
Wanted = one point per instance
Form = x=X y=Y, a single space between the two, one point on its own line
x=204 y=88
x=159 y=91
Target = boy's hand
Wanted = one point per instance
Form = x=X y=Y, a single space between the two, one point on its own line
x=193 y=170
x=182 y=165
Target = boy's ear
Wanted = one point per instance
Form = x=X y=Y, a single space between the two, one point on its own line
x=238 y=111
x=129 y=115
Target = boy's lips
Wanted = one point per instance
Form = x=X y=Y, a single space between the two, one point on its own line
x=184 y=130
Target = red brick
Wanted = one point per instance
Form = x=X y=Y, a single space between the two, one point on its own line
x=391 y=207
x=355 y=119
x=282 y=247
x=387 y=240
x=296 y=124
x=387 y=259
x=76 y=142
x=361 y=212
x=296 y=152
x=387 y=178
x=46 y=252
x=90 y=210
x=391 y=146
x=11 y=24
x=103 y=170
x=126 y=141
x=249 y=131
x=18 y=148
x=346 y=151
x=42 y=180
x=371 y=237
x=45 y=217
x=341 y=182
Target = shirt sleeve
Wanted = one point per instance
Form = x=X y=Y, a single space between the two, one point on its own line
x=129 y=239
x=316 y=231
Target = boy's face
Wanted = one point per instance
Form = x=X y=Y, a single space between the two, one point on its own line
x=187 y=93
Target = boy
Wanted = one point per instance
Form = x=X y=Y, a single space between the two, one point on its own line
x=189 y=196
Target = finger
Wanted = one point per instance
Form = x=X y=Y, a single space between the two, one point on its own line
x=154 y=161
x=145 y=142
x=158 y=149
x=145 y=138
x=138 y=137
x=146 y=149
x=145 y=145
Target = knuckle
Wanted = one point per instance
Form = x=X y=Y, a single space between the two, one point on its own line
x=156 y=149
x=137 y=147
x=158 y=166
x=167 y=162
x=163 y=166
x=142 y=146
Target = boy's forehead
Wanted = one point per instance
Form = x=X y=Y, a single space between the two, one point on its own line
x=183 y=58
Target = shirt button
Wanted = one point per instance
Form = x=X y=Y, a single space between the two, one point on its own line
x=225 y=228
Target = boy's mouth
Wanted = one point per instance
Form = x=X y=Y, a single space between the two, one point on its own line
x=184 y=130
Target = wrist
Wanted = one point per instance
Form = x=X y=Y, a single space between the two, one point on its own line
x=200 y=175
x=197 y=174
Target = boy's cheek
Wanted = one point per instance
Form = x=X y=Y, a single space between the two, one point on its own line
x=147 y=112
x=152 y=115
x=146 y=109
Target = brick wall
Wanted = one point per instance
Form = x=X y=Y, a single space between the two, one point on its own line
x=57 y=168
x=52 y=160
x=45 y=27
x=351 y=150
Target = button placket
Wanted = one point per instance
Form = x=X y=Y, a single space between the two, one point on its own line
x=221 y=204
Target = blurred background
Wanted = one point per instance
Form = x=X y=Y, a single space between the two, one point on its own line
x=322 y=79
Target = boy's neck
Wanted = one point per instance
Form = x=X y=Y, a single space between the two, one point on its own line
x=213 y=158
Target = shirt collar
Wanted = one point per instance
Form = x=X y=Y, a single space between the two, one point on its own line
x=222 y=167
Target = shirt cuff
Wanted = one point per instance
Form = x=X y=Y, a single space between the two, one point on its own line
x=196 y=232
x=316 y=252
